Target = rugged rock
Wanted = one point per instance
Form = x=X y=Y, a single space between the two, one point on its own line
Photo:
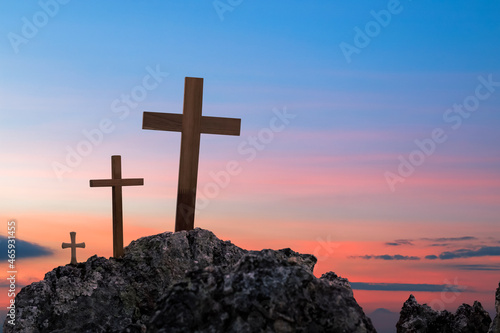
x=416 y=318
x=495 y=325
x=261 y=294
x=186 y=282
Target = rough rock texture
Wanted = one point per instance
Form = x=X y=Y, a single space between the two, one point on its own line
x=416 y=318
x=187 y=282
x=261 y=294
x=495 y=325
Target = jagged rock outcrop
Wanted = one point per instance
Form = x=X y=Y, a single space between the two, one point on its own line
x=186 y=282
x=495 y=325
x=417 y=318
x=261 y=294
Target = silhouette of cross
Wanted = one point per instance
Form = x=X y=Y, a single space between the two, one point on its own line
x=191 y=124
x=116 y=182
x=73 y=247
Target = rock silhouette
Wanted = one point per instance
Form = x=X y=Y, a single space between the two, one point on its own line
x=417 y=318
x=495 y=325
x=190 y=281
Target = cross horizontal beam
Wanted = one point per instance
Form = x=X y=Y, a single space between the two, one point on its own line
x=173 y=122
x=116 y=182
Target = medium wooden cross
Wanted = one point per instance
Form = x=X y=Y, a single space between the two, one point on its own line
x=73 y=247
x=191 y=124
x=116 y=182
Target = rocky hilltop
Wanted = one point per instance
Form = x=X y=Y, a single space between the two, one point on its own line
x=190 y=282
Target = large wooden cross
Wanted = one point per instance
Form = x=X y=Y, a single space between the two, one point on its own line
x=73 y=245
x=116 y=182
x=191 y=124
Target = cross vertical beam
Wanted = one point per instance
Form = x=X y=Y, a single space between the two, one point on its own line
x=190 y=151
x=191 y=124
x=116 y=182
x=116 y=194
x=73 y=245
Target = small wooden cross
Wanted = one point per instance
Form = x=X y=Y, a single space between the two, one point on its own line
x=73 y=246
x=116 y=182
x=191 y=124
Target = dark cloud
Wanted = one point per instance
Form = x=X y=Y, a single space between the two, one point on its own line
x=477 y=267
x=431 y=257
x=407 y=287
x=6 y=284
x=450 y=239
x=23 y=249
x=398 y=242
x=467 y=253
x=387 y=257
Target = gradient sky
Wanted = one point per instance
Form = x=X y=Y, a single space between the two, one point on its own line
x=387 y=169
